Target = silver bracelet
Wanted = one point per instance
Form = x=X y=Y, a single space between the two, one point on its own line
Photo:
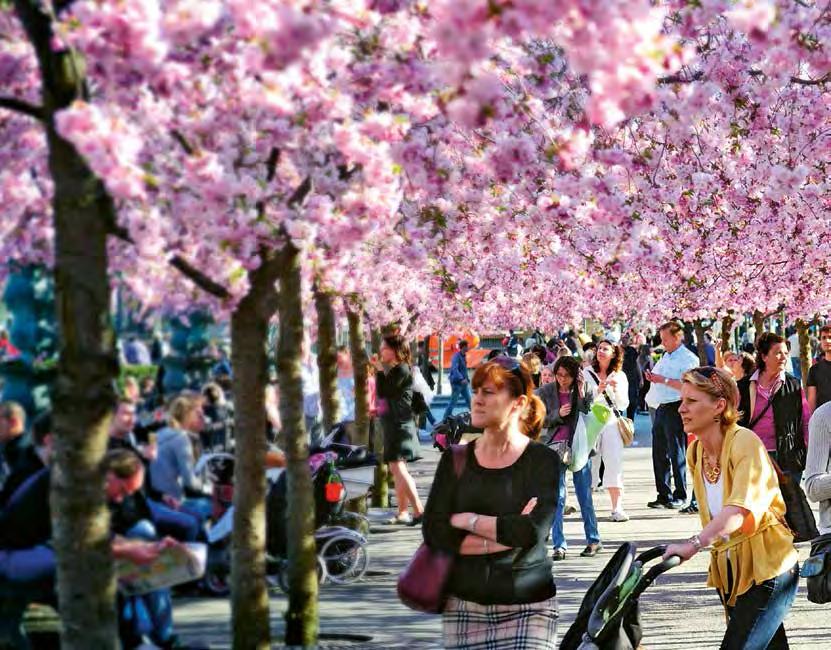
x=473 y=521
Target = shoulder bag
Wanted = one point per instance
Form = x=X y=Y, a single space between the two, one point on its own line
x=817 y=570
x=422 y=585
x=798 y=514
x=625 y=426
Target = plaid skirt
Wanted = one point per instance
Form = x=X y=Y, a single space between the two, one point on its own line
x=472 y=626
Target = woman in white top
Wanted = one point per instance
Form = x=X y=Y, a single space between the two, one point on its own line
x=605 y=375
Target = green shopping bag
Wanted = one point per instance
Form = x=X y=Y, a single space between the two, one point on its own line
x=596 y=419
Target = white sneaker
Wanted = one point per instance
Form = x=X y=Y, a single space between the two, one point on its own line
x=402 y=519
x=619 y=515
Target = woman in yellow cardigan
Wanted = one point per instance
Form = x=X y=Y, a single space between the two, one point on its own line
x=753 y=562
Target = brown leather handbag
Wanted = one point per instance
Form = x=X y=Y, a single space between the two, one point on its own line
x=422 y=585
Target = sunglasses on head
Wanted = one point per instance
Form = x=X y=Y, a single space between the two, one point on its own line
x=511 y=365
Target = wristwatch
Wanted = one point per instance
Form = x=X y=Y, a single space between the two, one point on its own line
x=695 y=540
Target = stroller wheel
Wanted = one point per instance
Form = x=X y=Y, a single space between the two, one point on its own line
x=216 y=584
x=282 y=575
x=346 y=559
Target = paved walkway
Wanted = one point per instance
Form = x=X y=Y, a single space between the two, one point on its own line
x=678 y=611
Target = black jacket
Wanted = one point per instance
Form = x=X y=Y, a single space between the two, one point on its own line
x=521 y=574
x=786 y=405
x=550 y=396
x=26 y=462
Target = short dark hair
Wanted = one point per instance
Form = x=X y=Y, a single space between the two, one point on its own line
x=463 y=344
x=124 y=463
x=571 y=366
x=764 y=343
x=42 y=427
x=825 y=328
x=673 y=327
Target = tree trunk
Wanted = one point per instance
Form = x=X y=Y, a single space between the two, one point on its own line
x=327 y=355
x=381 y=490
x=726 y=331
x=302 y=614
x=758 y=323
x=357 y=349
x=83 y=397
x=804 y=348
x=698 y=328
x=250 y=620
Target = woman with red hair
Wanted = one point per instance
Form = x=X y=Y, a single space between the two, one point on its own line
x=495 y=518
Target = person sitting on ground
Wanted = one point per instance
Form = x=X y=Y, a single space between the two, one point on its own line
x=27 y=558
x=149 y=615
x=171 y=473
x=219 y=418
x=13 y=438
x=32 y=457
x=164 y=514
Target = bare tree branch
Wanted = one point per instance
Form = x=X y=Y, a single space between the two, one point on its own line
x=177 y=135
x=681 y=78
x=196 y=276
x=200 y=279
x=22 y=107
x=300 y=194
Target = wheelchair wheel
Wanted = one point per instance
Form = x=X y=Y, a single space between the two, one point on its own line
x=346 y=559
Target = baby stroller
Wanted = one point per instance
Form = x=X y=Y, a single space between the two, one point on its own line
x=450 y=430
x=342 y=554
x=608 y=618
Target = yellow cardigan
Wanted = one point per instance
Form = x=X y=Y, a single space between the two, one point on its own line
x=763 y=548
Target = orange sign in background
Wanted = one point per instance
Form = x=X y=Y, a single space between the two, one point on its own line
x=474 y=353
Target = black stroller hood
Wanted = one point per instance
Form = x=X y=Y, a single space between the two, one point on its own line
x=609 y=616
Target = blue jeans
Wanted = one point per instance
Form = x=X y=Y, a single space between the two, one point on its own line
x=669 y=450
x=756 y=620
x=183 y=526
x=583 y=490
x=457 y=391
x=797 y=367
x=150 y=614
x=26 y=576
x=200 y=507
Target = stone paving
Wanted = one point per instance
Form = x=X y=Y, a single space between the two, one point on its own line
x=678 y=611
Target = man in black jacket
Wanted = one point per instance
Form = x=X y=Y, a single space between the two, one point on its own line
x=31 y=458
x=13 y=438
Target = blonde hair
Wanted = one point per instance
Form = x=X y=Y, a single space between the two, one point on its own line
x=718 y=384
x=183 y=404
x=532 y=362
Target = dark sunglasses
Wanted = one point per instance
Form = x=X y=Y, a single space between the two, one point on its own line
x=705 y=371
x=513 y=366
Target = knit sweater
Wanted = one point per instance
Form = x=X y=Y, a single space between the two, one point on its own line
x=818 y=464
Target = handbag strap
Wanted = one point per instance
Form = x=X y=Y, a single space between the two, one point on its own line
x=459 y=459
x=756 y=419
x=615 y=410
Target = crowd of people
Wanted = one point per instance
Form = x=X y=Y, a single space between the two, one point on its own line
x=717 y=430
x=721 y=431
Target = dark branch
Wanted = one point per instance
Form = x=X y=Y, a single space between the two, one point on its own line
x=681 y=78
x=300 y=194
x=24 y=108
x=180 y=264
x=271 y=164
x=177 y=135
x=824 y=79
x=199 y=278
